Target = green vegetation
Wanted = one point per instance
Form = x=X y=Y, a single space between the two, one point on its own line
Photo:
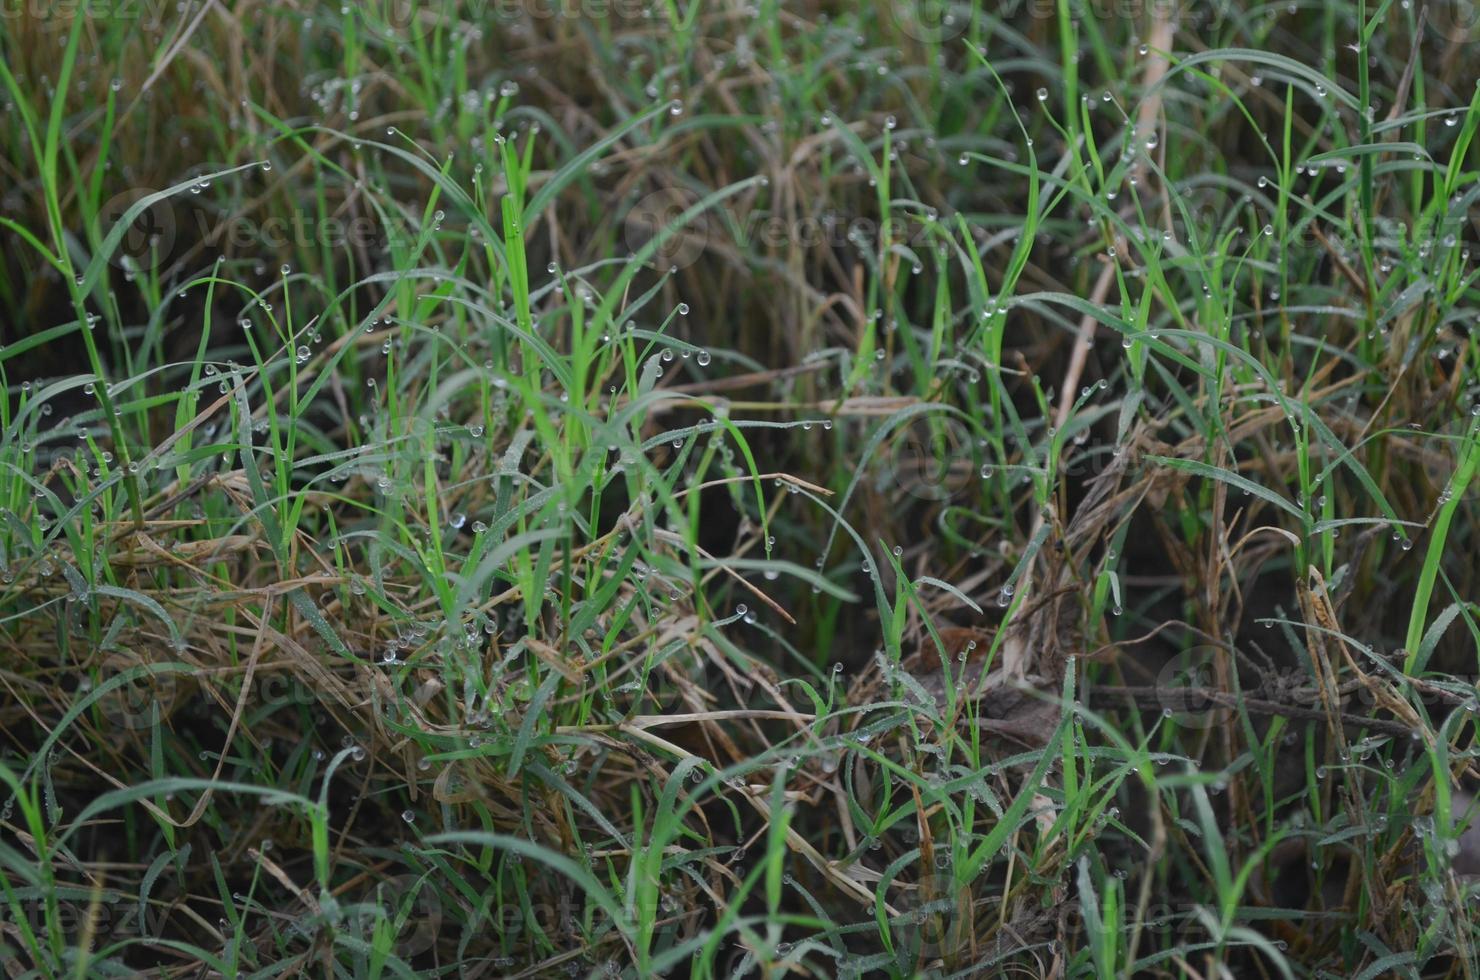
x=693 y=488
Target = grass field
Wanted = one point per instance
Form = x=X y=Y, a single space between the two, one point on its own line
x=735 y=489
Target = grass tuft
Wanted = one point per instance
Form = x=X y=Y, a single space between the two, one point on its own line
x=879 y=490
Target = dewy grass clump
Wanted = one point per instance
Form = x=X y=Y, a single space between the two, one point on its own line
x=694 y=489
